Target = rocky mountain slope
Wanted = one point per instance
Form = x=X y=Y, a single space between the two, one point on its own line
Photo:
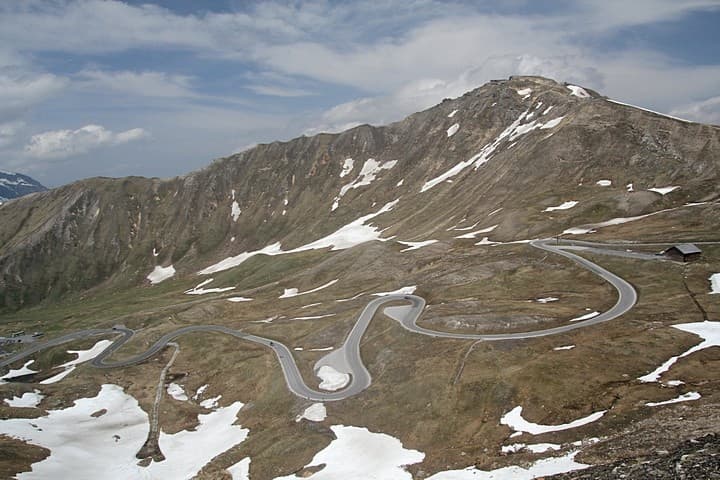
x=13 y=185
x=291 y=241
x=520 y=145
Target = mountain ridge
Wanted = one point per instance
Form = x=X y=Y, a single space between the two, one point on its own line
x=14 y=185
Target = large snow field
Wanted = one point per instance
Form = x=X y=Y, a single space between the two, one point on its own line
x=358 y=454
x=708 y=331
x=515 y=420
x=87 y=447
x=354 y=233
x=538 y=469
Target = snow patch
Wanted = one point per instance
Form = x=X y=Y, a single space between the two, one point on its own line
x=685 y=397
x=453 y=130
x=239 y=299
x=416 y=245
x=540 y=468
x=524 y=92
x=562 y=206
x=332 y=379
x=514 y=420
x=313 y=317
x=241 y=470
x=199 y=290
x=564 y=347
x=293 y=292
x=358 y=454
x=400 y=291
x=547 y=299
x=587 y=316
x=82 y=356
x=533 y=447
x=160 y=274
x=347 y=167
x=348 y=236
x=708 y=331
x=19 y=372
x=27 y=400
x=714 y=283
x=315 y=413
x=371 y=168
x=235 y=211
x=452 y=114
x=578 y=91
x=477 y=232
x=211 y=403
x=663 y=190
x=177 y=392
x=603 y=183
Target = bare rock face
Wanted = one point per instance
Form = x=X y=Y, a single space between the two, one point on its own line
x=519 y=145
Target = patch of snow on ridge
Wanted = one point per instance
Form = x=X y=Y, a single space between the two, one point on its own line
x=453 y=130
x=685 y=397
x=524 y=92
x=211 y=403
x=708 y=331
x=235 y=211
x=26 y=400
x=603 y=183
x=371 y=168
x=293 y=292
x=331 y=379
x=239 y=299
x=415 y=245
x=514 y=420
x=547 y=299
x=564 y=347
x=452 y=114
x=578 y=91
x=358 y=454
x=714 y=283
x=663 y=190
x=533 y=447
x=562 y=206
x=400 y=291
x=315 y=413
x=649 y=111
x=241 y=470
x=538 y=469
x=347 y=167
x=354 y=233
x=160 y=274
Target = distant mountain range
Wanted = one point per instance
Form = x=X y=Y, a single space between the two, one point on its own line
x=13 y=185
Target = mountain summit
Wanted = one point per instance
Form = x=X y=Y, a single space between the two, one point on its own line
x=13 y=185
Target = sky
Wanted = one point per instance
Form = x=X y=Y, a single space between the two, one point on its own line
x=115 y=88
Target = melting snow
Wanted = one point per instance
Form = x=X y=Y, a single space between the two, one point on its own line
x=367 y=174
x=27 y=400
x=211 y=403
x=452 y=114
x=239 y=299
x=241 y=470
x=200 y=391
x=685 y=397
x=332 y=379
x=348 y=236
x=714 y=283
x=347 y=167
x=587 y=316
x=453 y=130
x=416 y=245
x=399 y=184
x=293 y=292
x=533 y=447
x=562 y=206
x=400 y=291
x=477 y=232
x=578 y=91
x=708 y=331
x=315 y=413
x=198 y=290
x=82 y=356
x=514 y=420
x=24 y=370
x=524 y=92
x=160 y=274
x=603 y=183
x=538 y=469
x=547 y=299
x=235 y=211
x=177 y=392
x=313 y=317
x=358 y=454
x=564 y=347
x=663 y=190
x=629 y=187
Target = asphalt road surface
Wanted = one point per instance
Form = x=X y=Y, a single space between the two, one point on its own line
x=347 y=358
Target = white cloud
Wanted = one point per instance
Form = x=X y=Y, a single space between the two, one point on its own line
x=20 y=90
x=278 y=91
x=706 y=111
x=9 y=132
x=66 y=143
x=148 y=83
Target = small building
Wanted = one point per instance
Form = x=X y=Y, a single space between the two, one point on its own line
x=684 y=252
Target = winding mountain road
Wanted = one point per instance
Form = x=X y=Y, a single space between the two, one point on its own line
x=347 y=358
